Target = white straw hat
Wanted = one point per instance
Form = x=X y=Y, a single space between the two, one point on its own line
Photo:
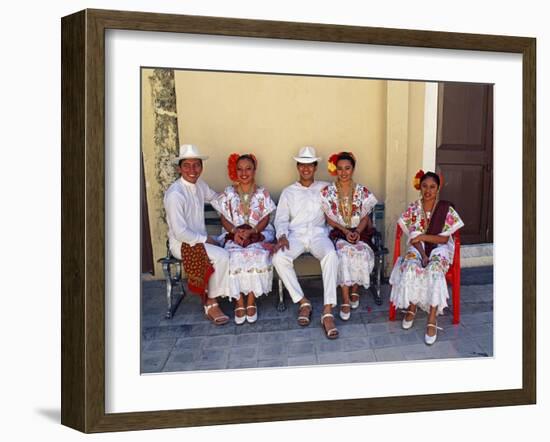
x=307 y=155
x=189 y=151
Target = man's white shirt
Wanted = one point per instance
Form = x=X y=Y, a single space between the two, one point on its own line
x=184 y=204
x=299 y=211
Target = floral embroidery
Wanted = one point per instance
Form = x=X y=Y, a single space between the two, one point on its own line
x=363 y=202
x=230 y=206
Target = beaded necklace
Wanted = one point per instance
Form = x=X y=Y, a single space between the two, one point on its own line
x=345 y=203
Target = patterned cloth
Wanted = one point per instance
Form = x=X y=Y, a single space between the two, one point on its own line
x=355 y=261
x=413 y=283
x=198 y=268
x=250 y=268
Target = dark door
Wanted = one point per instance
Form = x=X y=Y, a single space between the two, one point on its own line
x=465 y=155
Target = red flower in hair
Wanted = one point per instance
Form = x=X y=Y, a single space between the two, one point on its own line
x=232 y=166
x=417 y=178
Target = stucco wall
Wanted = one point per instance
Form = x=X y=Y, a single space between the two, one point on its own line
x=273 y=116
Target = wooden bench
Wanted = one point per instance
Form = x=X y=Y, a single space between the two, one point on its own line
x=171 y=266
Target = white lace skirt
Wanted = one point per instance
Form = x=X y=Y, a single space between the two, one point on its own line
x=250 y=270
x=355 y=263
x=423 y=286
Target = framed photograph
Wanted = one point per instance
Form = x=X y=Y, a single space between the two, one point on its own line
x=135 y=86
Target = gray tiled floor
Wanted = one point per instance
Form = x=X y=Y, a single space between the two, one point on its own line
x=189 y=342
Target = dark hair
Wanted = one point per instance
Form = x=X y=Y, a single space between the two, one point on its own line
x=346 y=156
x=247 y=157
x=298 y=163
x=183 y=159
x=431 y=175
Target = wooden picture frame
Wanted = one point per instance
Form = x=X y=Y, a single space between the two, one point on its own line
x=83 y=219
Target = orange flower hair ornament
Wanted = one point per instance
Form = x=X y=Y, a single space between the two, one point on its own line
x=232 y=165
x=331 y=166
x=417 y=178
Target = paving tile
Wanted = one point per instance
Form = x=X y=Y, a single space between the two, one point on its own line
x=382 y=328
x=302 y=360
x=301 y=334
x=380 y=341
x=350 y=330
x=361 y=356
x=406 y=338
x=243 y=353
x=217 y=341
x=417 y=352
x=272 y=351
x=476 y=318
x=246 y=339
x=300 y=348
x=481 y=329
x=189 y=343
x=354 y=344
x=329 y=346
x=215 y=355
x=273 y=337
x=272 y=325
x=388 y=354
x=159 y=345
x=338 y=357
x=182 y=357
x=217 y=330
x=486 y=343
x=244 y=363
x=153 y=362
x=280 y=362
x=201 y=329
x=175 y=331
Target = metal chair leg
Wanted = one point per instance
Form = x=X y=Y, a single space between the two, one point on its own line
x=168 y=277
x=281 y=307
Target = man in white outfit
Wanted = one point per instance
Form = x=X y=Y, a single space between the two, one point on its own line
x=301 y=227
x=184 y=203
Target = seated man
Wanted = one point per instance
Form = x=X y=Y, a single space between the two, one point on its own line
x=301 y=227
x=205 y=263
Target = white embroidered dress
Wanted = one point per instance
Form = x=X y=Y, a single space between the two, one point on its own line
x=250 y=268
x=412 y=283
x=355 y=261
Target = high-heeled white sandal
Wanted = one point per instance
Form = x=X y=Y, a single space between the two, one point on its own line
x=331 y=333
x=431 y=339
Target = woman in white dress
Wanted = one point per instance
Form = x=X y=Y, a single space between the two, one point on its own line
x=245 y=208
x=418 y=278
x=347 y=206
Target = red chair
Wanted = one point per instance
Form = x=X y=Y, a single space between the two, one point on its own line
x=452 y=276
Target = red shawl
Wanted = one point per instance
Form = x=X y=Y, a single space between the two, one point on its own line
x=198 y=268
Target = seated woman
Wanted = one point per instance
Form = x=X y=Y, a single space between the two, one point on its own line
x=244 y=208
x=418 y=278
x=347 y=206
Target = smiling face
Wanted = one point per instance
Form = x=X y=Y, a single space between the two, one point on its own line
x=246 y=171
x=344 y=170
x=429 y=189
x=190 y=169
x=306 y=171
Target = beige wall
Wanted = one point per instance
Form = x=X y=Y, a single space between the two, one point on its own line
x=382 y=122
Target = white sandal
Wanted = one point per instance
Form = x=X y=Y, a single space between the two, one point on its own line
x=218 y=320
x=344 y=316
x=239 y=319
x=304 y=320
x=407 y=324
x=331 y=333
x=431 y=339
x=354 y=304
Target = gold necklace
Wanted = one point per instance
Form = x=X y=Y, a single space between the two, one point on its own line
x=345 y=203
x=245 y=198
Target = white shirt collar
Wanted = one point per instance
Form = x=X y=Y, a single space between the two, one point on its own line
x=187 y=183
